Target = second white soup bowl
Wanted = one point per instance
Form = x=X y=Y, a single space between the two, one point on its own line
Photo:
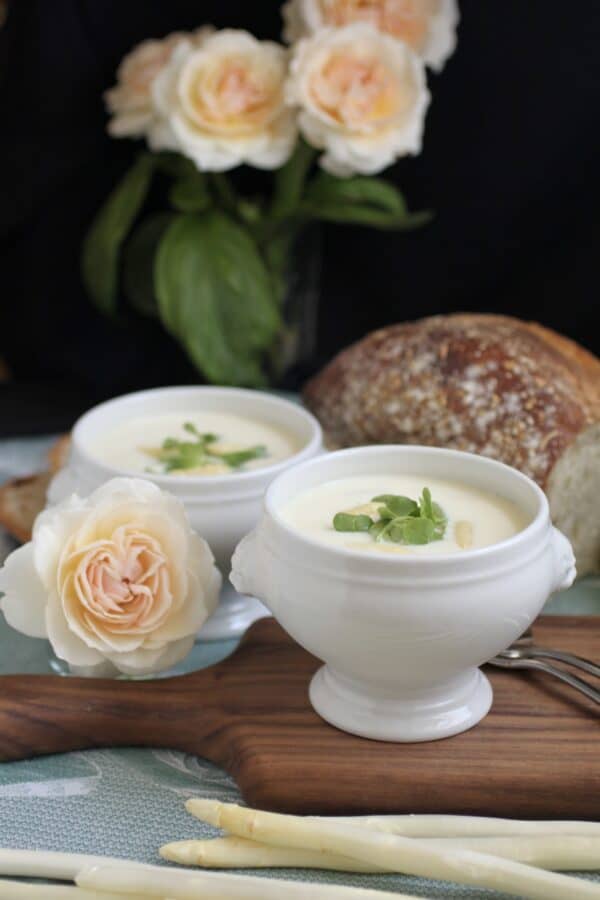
x=221 y=508
x=403 y=636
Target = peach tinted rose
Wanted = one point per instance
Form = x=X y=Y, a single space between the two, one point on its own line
x=224 y=102
x=116 y=577
x=130 y=102
x=408 y=20
x=362 y=97
x=427 y=26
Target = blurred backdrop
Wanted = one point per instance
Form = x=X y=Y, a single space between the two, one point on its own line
x=510 y=168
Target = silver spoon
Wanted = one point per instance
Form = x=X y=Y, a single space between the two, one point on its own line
x=524 y=654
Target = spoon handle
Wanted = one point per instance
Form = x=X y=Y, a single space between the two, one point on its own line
x=540 y=665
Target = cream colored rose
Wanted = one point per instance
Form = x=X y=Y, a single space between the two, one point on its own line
x=362 y=98
x=224 y=102
x=117 y=576
x=130 y=100
x=428 y=26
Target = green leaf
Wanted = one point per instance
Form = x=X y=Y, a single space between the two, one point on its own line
x=438 y=513
x=289 y=180
x=237 y=458
x=359 y=201
x=374 y=192
x=348 y=522
x=215 y=296
x=190 y=194
x=109 y=229
x=378 y=529
x=413 y=531
x=138 y=263
x=425 y=504
x=398 y=505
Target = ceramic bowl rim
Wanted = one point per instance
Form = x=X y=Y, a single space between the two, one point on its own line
x=168 y=482
x=333 y=552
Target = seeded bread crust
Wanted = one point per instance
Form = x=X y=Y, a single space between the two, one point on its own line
x=492 y=385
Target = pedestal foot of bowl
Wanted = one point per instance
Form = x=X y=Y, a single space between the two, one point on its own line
x=403 y=716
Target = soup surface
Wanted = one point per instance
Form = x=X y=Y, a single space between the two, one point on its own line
x=471 y=518
x=195 y=443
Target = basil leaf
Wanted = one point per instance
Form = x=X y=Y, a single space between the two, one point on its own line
x=348 y=522
x=398 y=505
x=215 y=296
x=138 y=263
x=359 y=201
x=103 y=242
x=375 y=192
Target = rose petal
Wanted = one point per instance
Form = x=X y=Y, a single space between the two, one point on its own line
x=202 y=602
x=51 y=531
x=146 y=661
x=65 y=643
x=25 y=598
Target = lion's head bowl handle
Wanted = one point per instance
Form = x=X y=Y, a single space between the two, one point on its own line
x=564 y=561
x=245 y=568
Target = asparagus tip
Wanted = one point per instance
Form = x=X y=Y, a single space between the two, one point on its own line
x=204 y=809
x=187 y=853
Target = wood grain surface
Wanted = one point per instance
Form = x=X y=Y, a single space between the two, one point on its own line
x=537 y=754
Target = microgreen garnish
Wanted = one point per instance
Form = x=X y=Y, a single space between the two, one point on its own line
x=176 y=455
x=401 y=520
x=348 y=522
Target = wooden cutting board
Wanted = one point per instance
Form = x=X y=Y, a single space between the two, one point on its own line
x=537 y=754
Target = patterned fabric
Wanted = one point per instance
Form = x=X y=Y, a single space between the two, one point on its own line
x=128 y=802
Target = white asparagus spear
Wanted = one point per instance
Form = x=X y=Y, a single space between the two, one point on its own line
x=564 y=852
x=13 y=890
x=441 y=825
x=395 y=853
x=49 y=864
x=464 y=826
x=179 y=885
x=239 y=853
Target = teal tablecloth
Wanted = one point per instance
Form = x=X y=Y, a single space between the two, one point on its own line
x=129 y=802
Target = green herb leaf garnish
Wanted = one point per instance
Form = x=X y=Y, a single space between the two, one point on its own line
x=347 y=522
x=397 y=506
x=176 y=455
x=237 y=458
x=401 y=520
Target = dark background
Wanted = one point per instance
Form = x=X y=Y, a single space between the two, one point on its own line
x=511 y=165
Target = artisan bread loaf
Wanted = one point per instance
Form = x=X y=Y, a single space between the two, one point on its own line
x=493 y=385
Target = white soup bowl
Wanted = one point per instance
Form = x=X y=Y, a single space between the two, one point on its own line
x=403 y=636
x=221 y=508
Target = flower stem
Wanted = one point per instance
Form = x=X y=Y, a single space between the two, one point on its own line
x=290 y=181
x=224 y=192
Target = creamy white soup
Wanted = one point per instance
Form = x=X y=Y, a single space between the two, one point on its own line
x=195 y=443
x=463 y=517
